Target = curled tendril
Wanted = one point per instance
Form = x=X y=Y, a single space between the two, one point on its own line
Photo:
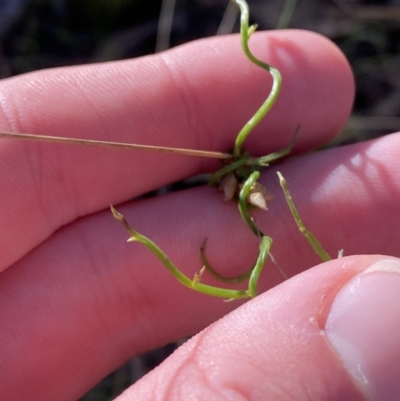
x=245 y=32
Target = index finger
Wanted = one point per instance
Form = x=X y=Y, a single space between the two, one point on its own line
x=196 y=96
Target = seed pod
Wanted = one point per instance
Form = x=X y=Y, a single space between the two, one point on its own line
x=228 y=185
x=259 y=196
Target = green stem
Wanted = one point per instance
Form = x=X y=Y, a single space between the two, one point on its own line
x=316 y=246
x=225 y=170
x=244 y=206
x=193 y=284
x=265 y=246
x=245 y=32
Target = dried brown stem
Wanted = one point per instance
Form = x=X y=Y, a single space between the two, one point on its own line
x=90 y=142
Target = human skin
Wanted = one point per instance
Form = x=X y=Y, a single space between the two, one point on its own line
x=77 y=300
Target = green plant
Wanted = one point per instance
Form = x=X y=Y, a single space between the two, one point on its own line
x=237 y=178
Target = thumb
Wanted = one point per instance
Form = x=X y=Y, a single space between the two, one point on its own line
x=330 y=333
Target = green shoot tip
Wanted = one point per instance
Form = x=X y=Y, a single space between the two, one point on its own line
x=116 y=213
x=281 y=179
x=252 y=29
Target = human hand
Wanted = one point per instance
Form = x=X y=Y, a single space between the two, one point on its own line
x=77 y=301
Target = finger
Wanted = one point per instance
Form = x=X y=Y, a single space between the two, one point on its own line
x=330 y=333
x=197 y=96
x=346 y=197
x=86 y=289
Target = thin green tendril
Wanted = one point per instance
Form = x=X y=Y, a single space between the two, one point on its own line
x=246 y=31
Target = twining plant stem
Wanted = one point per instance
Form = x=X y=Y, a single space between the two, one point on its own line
x=245 y=32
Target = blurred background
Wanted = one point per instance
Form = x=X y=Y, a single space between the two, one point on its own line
x=37 y=34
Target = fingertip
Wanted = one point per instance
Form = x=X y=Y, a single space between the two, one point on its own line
x=363 y=328
x=273 y=347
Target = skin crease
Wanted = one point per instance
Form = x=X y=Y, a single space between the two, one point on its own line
x=77 y=301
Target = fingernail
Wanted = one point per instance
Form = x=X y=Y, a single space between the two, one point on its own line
x=363 y=327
